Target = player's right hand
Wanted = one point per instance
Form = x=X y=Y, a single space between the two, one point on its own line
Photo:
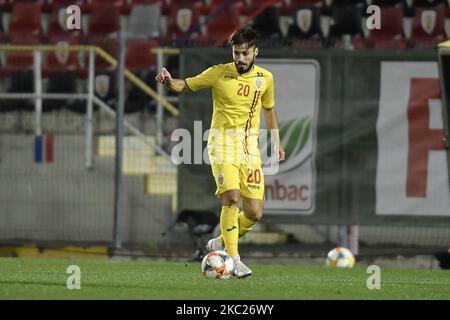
x=163 y=75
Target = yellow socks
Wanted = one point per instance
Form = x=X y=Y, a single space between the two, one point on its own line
x=230 y=228
x=244 y=226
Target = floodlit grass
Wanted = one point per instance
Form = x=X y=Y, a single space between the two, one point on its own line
x=22 y=278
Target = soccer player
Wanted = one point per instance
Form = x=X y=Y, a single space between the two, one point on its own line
x=239 y=89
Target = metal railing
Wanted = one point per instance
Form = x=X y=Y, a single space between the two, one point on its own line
x=90 y=97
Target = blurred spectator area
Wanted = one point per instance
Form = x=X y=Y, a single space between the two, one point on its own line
x=300 y=24
x=181 y=23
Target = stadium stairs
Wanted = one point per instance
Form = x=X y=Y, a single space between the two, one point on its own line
x=139 y=159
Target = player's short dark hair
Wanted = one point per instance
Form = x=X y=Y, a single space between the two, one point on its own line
x=246 y=35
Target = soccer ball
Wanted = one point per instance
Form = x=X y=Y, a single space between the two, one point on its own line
x=340 y=257
x=217 y=265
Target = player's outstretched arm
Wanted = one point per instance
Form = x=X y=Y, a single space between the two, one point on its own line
x=174 y=85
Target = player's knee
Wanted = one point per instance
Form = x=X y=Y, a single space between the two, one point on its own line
x=231 y=199
x=254 y=215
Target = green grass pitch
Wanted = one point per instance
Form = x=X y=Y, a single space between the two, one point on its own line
x=22 y=278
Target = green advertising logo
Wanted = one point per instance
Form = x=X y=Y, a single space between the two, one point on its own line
x=294 y=135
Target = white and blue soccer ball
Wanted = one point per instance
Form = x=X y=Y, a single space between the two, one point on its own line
x=217 y=265
x=340 y=257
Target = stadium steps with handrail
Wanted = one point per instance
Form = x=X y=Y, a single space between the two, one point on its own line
x=139 y=159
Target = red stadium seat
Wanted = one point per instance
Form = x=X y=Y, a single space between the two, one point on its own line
x=62 y=61
x=121 y=4
x=346 y=20
x=25 y=21
x=56 y=4
x=108 y=45
x=391 y=34
x=253 y=5
x=104 y=20
x=61 y=69
x=183 y=24
x=7 y=5
x=161 y=3
x=293 y=5
x=18 y=68
x=428 y=27
x=267 y=24
x=178 y=3
x=428 y=3
x=300 y=3
x=139 y=57
x=17 y=61
x=222 y=19
x=305 y=27
x=57 y=27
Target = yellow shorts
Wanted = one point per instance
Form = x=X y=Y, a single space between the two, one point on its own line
x=247 y=177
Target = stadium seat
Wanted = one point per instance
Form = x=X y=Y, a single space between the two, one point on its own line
x=145 y=20
x=19 y=60
x=57 y=26
x=390 y=3
x=63 y=82
x=360 y=3
x=142 y=63
x=391 y=36
x=215 y=7
x=183 y=24
x=62 y=69
x=108 y=45
x=161 y=3
x=249 y=7
x=267 y=24
x=428 y=3
x=64 y=60
x=104 y=20
x=7 y=5
x=305 y=26
x=123 y=6
x=346 y=20
x=414 y=4
x=1 y=23
x=19 y=68
x=58 y=3
x=25 y=21
x=222 y=19
x=293 y=5
x=139 y=57
x=191 y=3
x=428 y=27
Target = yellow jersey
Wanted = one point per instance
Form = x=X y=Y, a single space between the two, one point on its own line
x=237 y=102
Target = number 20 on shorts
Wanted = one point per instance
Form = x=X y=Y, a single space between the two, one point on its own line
x=254 y=176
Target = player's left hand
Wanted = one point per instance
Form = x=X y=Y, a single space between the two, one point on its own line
x=281 y=153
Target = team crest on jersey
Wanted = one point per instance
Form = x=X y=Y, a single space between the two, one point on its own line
x=220 y=179
x=258 y=83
